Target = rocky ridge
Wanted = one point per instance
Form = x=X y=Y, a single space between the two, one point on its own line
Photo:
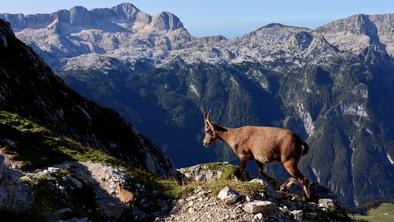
x=79 y=31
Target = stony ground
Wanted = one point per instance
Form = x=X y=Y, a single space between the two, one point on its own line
x=205 y=205
x=200 y=205
x=208 y=195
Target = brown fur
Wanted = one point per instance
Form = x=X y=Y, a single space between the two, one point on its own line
x=126 y=197
x=263 y=144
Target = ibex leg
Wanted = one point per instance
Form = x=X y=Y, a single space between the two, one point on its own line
x=291 y=167
x=241 y=170
x=270 y=180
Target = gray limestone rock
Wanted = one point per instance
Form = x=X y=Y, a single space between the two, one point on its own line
x=227 y=195
x=266 y=208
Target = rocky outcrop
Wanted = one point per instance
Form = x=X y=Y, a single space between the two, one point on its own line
x=206 y=172
x=260 y=204
x=14 y=195
x=76 y=191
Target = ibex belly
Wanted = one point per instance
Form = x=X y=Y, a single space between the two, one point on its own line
x=267 y=156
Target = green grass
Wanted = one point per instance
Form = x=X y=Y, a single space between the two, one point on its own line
x=338 y=213
x=226 y=179
x=173 y=190
x=37 y=147
x=241 y=187
x=384 y=212
x=18 y=123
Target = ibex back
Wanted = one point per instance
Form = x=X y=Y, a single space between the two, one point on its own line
x=263 y=144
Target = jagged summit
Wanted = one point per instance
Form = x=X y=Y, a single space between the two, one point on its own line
x=356 y=32
x=125 y=8
x=78 y=15
x=167 y=21
x=359 y=23
x=80 y=31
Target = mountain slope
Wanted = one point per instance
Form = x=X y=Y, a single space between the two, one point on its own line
x=29 y=88
x=333 y=86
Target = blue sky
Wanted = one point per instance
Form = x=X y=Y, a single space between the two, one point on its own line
x=225 y=17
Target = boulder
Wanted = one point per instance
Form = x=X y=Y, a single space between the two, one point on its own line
x=258 y=206
x=258 y=217
x=297 y=214
x=269 y=190
x=53 y=169
x=227 y=195
x=203 y=173
x=325 y=202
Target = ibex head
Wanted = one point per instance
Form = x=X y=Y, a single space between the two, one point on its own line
x=209 y=129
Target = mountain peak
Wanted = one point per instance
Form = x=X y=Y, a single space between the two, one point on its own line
x=126 y=9
x=358 y=24
x=278 y=26
x=78 y=9
x=166 y=21
x=126 y=5
x=274 y=25
x=80 y=15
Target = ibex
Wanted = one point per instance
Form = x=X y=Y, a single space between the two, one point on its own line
x=263 y=144
x=126 y=197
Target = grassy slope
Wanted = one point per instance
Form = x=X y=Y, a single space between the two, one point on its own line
x=384 y=212
x=35 y=147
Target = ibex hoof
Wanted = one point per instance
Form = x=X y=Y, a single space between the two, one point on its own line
x=243 y=176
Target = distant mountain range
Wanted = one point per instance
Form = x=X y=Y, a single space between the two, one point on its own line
x=333 y=85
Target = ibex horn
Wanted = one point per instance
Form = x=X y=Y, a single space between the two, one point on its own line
x=209 y=115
